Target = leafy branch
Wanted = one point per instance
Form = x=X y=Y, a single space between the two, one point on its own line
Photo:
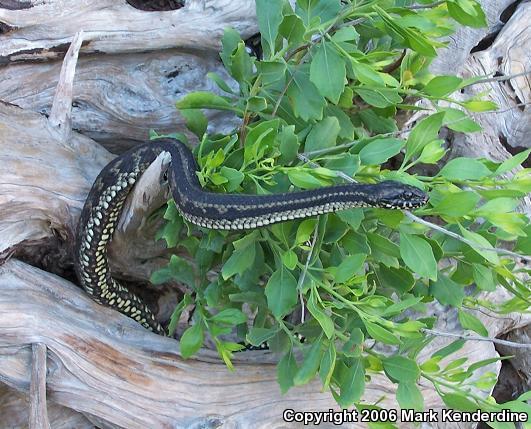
x=320 y=108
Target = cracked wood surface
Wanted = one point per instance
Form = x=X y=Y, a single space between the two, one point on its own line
x=108 y=367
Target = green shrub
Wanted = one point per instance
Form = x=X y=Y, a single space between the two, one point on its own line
x=321 y=106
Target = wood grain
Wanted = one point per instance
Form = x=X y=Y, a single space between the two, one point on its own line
x=107 y=366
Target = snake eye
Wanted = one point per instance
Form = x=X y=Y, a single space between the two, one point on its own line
x=165 y=176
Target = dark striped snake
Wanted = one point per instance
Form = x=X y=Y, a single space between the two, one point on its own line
x=207 y=209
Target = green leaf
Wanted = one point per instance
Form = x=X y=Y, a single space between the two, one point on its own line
x=411 y=37
x=289 y=259
x=512 y=162
x=171 y=231
x=325 y=10
x=400 y=306
x=196 y=121
x=304 y=96
x=380 y=334
x=476 y=20
x=409 y=396
x=480 y=106
x=289 y=144
x=347 y=130
x=272 y=71
x=458 y=120
x=469 y=321
x=305 y=230
x=323 y=134
x=366 y=74
x=432 y=152
x=257 y=336
x=346 y=34
x=423 y=133
x=327 y=366
x=204 y=100
x=304 y=179
x=378 y=97
x=178 y=269
x=483 y=277
x=348 y=267
x=322 y=318
x=229 y=316
x=310 y=365
x=328 y=71
x=281 y=292
x=458 y=401
x=464 y=169
x=240 y=261
x=380 y=150
x=447 y=292
x=418 y=255
x=481 y=245
x=218 y=80
x=352 y=217
x=286 y=370
x=396 y=278
x=402 y=369
x=176 y=315
x=346 y=163
x=234 y=178
x=256 y=104
x=457 y=204
x=440 y=86
x=191 y=340
x=241 y=67
x=269 y=13
x=497 y=206
x=383 y=244
x=229 y=43
x=352 y=383
x=292 y=29
x=449 y=349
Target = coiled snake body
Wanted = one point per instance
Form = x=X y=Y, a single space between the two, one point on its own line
x=211 y=210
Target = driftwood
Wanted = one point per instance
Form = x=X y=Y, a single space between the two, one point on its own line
x=99 y=362
x=33 y=32
x=508 y=129
x=105 y=365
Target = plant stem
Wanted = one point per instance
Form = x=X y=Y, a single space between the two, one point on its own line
x=477 y=338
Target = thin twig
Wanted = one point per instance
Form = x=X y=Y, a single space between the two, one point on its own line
x=305 y=270
x=38 y=412
x=281 y=96
x=61 y=112
x=498 y=78
x=463 y=239
x=516 y=106
x=312 y=164
x=477 y=338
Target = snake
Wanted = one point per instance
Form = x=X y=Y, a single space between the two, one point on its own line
x=212 y=210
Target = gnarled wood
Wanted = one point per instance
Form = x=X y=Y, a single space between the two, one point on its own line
x=102 y=363
x=117 y=99
x=106 y=365
x=44 y=30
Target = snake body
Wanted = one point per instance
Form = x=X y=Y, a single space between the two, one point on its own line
x=210 y=210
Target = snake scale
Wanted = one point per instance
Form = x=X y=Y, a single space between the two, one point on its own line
x=104 y=203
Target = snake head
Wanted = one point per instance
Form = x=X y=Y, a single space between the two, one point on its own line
x=396 y=195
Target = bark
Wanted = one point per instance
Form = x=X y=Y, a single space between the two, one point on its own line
x=108 y=367
x=34 y=32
